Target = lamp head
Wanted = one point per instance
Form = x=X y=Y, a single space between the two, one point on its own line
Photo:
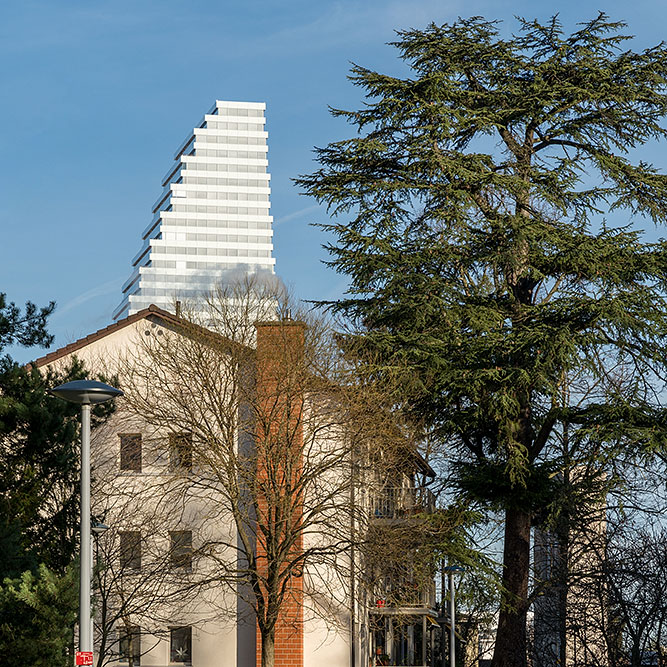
x=85 y=392
x=98 y=528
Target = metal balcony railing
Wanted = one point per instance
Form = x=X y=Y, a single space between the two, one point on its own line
x=396 y=595
x=397 y=503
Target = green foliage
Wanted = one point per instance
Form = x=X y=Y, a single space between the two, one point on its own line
x=39 y=506
x=39 y=468
x=470 y=227
x=469 y=217
x=37 y=612
x=408 y=555
x=28 y=328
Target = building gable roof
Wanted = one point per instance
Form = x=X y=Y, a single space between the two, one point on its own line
x=152 y=313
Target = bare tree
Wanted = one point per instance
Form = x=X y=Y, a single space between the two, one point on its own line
x=136 y=588
x=600 y=573
x=631 y=586
x=258 y=429
x=636 y=581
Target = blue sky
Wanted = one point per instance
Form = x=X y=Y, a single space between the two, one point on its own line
x=98 y=94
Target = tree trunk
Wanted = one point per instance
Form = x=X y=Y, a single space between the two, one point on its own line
x=510 y=649
x=268 y=649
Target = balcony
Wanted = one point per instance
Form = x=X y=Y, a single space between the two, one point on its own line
x=399 y=503
x=396 y=593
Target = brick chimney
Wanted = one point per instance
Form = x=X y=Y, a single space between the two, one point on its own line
x=280 y=348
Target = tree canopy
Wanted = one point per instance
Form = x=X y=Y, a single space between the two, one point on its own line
x=483 y=215
x=39 y=506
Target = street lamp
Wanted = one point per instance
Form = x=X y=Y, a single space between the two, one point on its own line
x=451 y=570
x=85 y=393
x=98 y=529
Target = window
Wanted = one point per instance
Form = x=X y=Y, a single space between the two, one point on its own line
x=181 y=644
x=180 y=451
x=181 y=549
x=130 y=550
x=129 y=644
x=130 y=451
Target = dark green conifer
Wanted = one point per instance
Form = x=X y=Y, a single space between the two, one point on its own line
x=470 y=219
x=39 y=503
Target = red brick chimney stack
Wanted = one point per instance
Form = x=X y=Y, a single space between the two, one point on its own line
x=280 y=349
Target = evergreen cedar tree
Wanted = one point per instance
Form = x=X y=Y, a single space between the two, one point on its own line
x=469 y=218
x=39 y=504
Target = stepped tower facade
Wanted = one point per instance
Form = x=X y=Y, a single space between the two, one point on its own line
x=212 y=219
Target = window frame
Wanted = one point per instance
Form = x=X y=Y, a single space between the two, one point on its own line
x=132 y=461
x=188 y=644
x=180 y=551
x=131 y=641
x=180 y=451
x=130 y=555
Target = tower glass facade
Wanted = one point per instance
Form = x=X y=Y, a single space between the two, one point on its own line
x=211 y=220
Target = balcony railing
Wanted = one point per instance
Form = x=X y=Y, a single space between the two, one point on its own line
x=397 y=595
x=397 y=503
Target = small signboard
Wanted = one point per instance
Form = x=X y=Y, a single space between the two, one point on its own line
x=380 y=602
x=83 y=658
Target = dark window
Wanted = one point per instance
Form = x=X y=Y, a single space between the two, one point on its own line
x=181 y=644
x=180 y=451
x=181 y=549
x=130 y=550
x=130 y=451
x=129 y=644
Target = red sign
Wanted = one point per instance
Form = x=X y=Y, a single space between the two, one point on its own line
x=83 y=658
x=380 y=603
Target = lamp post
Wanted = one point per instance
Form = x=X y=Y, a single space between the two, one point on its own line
x=85 y=393
x=98 y=529
x=451 y=570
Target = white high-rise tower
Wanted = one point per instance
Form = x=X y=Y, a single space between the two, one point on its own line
x=212 y=219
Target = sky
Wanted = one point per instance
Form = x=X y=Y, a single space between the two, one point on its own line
x=97 y=95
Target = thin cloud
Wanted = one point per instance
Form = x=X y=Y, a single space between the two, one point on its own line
x=94 y=292
x=296 y=214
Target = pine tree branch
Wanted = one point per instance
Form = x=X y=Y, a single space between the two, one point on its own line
x=564 y=142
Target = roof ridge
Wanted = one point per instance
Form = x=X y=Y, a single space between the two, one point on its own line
x=103 y=332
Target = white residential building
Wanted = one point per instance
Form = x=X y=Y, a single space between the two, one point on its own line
x=170 y=527
x=211 y=220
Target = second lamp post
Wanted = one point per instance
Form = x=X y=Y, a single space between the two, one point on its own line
x=85 y=393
